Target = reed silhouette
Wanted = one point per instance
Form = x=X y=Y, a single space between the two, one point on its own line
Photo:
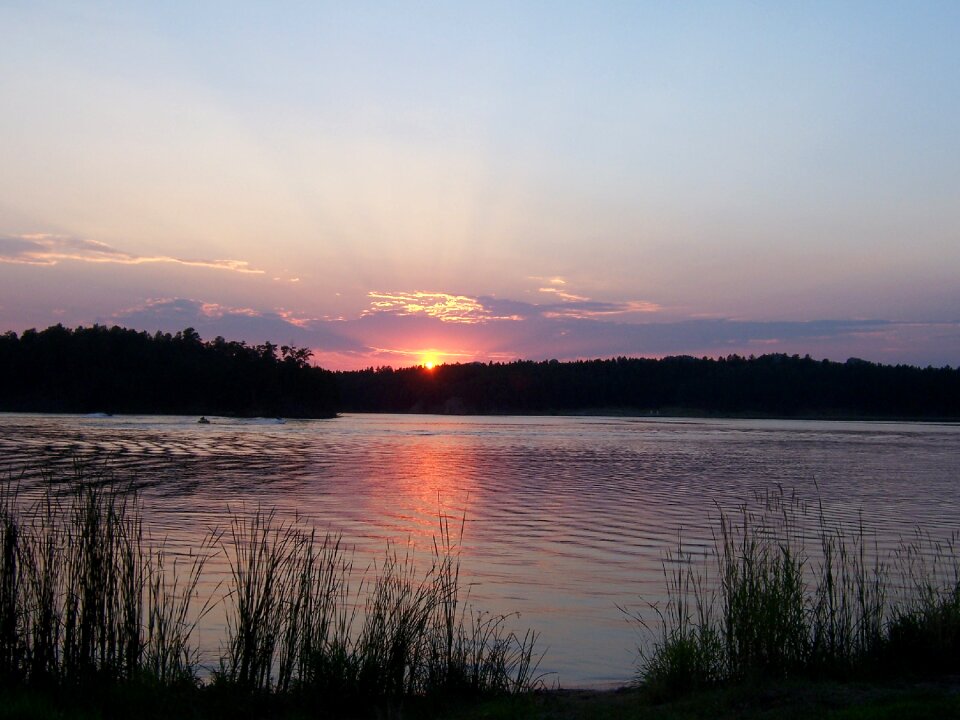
x=774 y=601
x=89 y=604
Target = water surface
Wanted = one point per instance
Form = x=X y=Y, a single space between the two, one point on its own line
x=567 y=518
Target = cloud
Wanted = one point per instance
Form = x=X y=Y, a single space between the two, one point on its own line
x=403 y=339
x=401 y=329
x=563 y=295
x=573 y=305
x=48 y=250
x=234 y=323
x=467 y=310
x=442 y=306
x=583 y=308
x=549 y=280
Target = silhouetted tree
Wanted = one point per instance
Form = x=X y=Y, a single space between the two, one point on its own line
x=119 y=370
x=770 y=385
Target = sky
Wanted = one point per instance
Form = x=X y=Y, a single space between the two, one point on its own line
x=395 y=183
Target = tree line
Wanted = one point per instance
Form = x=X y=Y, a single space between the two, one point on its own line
x=770 y=385
x=116 y=370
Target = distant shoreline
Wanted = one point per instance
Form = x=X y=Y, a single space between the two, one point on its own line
x=193 y=415
x=676 y=414
x=681 y=415
x=122 y=371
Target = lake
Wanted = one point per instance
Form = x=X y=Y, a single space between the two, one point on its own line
x=567 y=518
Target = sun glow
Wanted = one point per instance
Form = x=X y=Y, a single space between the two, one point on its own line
x=430 y=364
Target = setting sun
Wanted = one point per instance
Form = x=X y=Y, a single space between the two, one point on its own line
x=430 y=362
x=429 y=359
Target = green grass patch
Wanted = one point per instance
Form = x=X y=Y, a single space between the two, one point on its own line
x=775 y=611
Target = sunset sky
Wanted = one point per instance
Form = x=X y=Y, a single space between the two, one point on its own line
x=388 y=183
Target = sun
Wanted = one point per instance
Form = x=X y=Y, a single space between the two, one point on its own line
x=429 y=364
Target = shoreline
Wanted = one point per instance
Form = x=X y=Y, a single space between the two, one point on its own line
x=935 y=697
x=679 y=415
x=673 y=414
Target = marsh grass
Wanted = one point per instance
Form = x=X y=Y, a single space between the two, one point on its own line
x=88 y=601
x=302 y=621
x=85 y=599
x=168 y=656
x=923 y=630
x=774 y=611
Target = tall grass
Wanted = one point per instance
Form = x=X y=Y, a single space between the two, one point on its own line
x=923 y=631
x=775 y=610
x=302 y=621
x=168 y=655
x=86 y=599
x=260 y=565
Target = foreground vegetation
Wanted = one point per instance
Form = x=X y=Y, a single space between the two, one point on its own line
x=808 y=700
x=772 y=701
x=92 y=613
x=775 y=611
x=96 y=621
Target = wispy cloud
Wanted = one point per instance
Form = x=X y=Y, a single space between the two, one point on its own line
x=180 y=310
x=442 y=306
x=584 y=308
x=48 y=250
x=467 y=310
x=403 y=337
x=216 y=310
x=234 y=323
x=549 y=279
x=563 y=295
x=572 y=305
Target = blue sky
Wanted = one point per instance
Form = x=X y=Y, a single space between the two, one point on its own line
x=630 y=178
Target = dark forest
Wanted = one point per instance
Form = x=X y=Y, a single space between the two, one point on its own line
x=766 y=386
x=116 y=370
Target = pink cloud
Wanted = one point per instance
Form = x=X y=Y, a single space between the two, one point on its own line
x=49 y=250
x=442 y=306
x=563 y=295
x=396 y=336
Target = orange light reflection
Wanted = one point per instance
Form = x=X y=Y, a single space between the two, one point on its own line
x=432 y=483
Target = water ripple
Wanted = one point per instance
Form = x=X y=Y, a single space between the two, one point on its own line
x=566 y=518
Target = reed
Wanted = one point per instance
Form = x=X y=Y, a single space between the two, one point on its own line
x=86 y=600
x=923 y=632
x=762 y=591
x=301 y=621
x=316 y=641
x=688 y=652
x=84 y=597
x=471 y=651
x=260 y=553
x=11 y=589
x=168 y=656
x=772 y=611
